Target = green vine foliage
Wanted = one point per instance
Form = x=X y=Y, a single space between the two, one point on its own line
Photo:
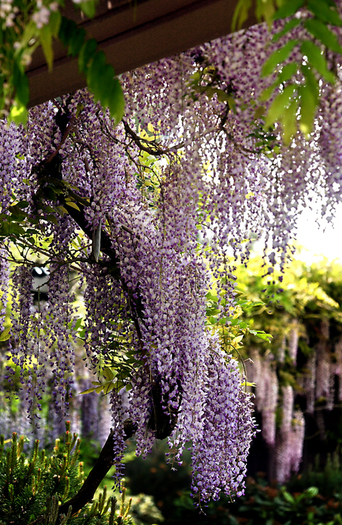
x=309 y=296
x=295 y=90
x=307 y=292
x=32 y=488
x=24 y=26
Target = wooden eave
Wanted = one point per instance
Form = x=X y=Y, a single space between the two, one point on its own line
x=132 y=33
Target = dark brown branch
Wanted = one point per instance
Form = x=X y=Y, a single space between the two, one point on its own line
x=150 y=147
x=163 y=427
x=153 y=148
x=103 y=464
x=64 y=137
x=49 y=173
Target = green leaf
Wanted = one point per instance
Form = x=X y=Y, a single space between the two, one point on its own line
x=51 y=218
x=279 y=104
x=49 y=193
x=30 y=31
x=108 y=75
x=71 y=204
x=87 y=52
x=289 y=8
x=309 y=95
x=79 y=109
x=323 y=34
x=277 y=57
x=117 y=101
x=288 y=497
x=261 y=335
x=260 y=111
x=88 y=391
x=55 y=22
x=287 y=28
x=317 y=60
x=20 y=81
x=94 y=74
x=108 y=373
x=285 y=74
x=264 y=10
x=5 y=335
x=108 y=387
x=323 y=12
x=312 y=492
x=61 y=210
x=88 y=7
x=307 y=110
x=22 y=205
x=46 y=42
x=289 y=121
x=248 y=304
x=241 y=14
x=265 y=337
x=231 y=104
x=212 y=311
x=77 y=41
x=78 y=323
x=209 y=91
x=267 y=93
x=67 y=31
x=15 y=229
x=17 y=216
x=222 y=96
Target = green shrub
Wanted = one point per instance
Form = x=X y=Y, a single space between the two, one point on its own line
x=32 y=488
x=328 y=479
x=275 y=505
x=262 y=504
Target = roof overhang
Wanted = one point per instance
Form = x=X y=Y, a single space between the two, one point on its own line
x=132 y=33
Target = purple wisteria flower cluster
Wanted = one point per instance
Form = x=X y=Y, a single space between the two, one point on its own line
x=148 y=216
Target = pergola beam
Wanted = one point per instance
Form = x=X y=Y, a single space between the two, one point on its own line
x=132 y=33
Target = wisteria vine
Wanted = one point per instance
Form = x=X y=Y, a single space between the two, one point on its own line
x=149 y=215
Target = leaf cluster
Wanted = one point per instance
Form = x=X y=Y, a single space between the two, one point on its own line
x=17 y=222
x=92 y=63
x=276 y=504
x=32 y=488
x=236 y=325
x=116 y=367
x=207 y=81
x=303 y=289
x=269 y=504
x=295 y=88
x=27 y=483
x=20 y=37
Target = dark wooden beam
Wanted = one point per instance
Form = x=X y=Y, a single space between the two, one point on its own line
x=132 y=33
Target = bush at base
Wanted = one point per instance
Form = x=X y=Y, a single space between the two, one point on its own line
x=32 y=488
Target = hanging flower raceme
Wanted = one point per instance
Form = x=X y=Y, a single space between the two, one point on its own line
x=220 y=451
x=4 y=280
